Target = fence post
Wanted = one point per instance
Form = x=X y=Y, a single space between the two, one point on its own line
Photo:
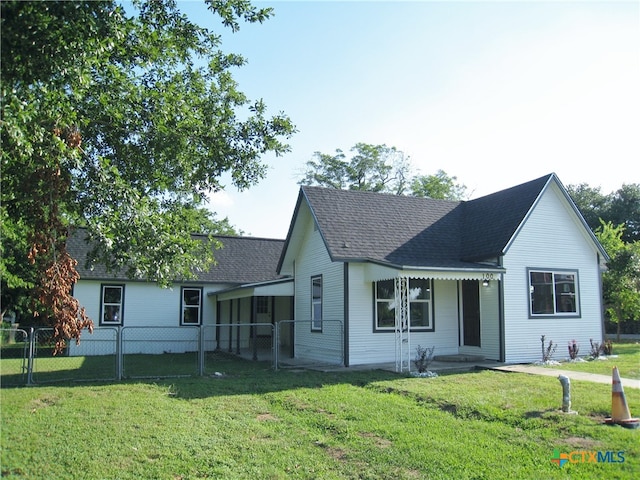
x=201 y=333
x=119 y=353
x=254 y=340
x=276 y=345
x=30 y=358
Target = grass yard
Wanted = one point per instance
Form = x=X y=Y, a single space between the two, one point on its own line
x=626 y=356
x=253 y=422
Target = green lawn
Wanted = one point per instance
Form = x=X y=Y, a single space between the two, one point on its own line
x=257 y=423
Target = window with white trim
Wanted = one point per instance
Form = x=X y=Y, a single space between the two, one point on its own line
x=191 y=306
x=112 y=304
x=420 y=305
x=553 y=293
x=316 y=303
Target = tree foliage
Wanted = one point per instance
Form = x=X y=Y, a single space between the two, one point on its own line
x=621 y=282
x=123 y=123
x=615 y=219
x=439 y=185
x=619 y=207
x=373 y=168
x=378 y=168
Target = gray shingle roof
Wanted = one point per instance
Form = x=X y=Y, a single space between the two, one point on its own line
x=241 y=260
x=420 y=232
x=489 y=222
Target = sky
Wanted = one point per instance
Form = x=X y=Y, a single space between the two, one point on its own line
x=493 y=93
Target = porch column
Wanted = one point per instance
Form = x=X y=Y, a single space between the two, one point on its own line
x=402 y=324
x=254 y=333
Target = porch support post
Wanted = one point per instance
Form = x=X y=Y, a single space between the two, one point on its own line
x=238 y=327
x=402 y=325
x=254 y=333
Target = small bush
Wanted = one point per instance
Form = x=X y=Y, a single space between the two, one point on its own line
x=547 y=352
x=574 y=348
x=595 y=348
x=424 y=357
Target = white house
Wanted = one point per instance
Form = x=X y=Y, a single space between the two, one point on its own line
x=484 y=277
x=241 y=290
x=364 y=278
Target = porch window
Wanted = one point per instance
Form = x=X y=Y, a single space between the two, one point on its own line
x=420 y=305
x=191 y=306
x=316 y=303
x=553 y=293
x=112 y=304
x=262 y=305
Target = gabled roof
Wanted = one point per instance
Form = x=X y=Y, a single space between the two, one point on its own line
x=240 y=260
x=489 y=222
x=418 y=232
x=244 y=260
x=394 y=229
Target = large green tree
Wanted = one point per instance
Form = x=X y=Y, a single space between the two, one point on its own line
x=121 y=122
x=439 y=185
x=378 y=168
x=621 y=281
x=619 y=207
x=373 y=168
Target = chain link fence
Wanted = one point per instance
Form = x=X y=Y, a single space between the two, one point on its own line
x=156 y=352
x=14 y=352
x=251 y=341
x=93 y=364
x=116 y=353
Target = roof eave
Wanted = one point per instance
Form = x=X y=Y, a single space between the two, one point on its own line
x=478 y=268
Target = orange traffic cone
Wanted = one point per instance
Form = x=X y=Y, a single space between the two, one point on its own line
x=619 y=409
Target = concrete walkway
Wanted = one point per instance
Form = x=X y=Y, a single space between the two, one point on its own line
x=553 y=372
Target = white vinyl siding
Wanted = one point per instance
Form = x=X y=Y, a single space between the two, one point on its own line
x=367 y=346
x=146 y=305
x=551 y=239
x=326 y=346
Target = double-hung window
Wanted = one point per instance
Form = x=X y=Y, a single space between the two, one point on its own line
x=553 y=293
x=112 y=304
x=420 y=305
x=191 y=306
x=316 y=303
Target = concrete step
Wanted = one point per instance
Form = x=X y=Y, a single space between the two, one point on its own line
x=460 y=357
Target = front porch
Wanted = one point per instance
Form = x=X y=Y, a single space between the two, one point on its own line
x=456 y=312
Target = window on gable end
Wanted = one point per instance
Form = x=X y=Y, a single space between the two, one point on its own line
x=553 y=293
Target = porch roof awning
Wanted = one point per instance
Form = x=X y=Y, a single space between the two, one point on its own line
x=282 y=287
x=378 y=271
